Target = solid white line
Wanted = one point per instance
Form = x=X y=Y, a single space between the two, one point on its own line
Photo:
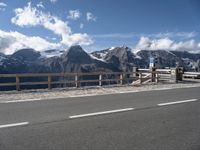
x=178 y=102
x=14 y=125
x=20 y=101
x=101 y=113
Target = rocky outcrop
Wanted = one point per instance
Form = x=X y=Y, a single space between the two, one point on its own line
x=75 y=59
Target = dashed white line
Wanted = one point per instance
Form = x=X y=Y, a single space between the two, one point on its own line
x=177 y=102
x=14 y=125
x=101 y=113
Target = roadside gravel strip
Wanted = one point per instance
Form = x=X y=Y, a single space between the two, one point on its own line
x=34 y=95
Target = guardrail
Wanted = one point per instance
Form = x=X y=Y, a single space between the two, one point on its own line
x=166 y=73
x=193 y=75
x=158 y=74
x=141 y=76
x=99 y=78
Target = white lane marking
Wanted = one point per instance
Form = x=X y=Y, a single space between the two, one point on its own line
x=85 y=95
x=20 y=101
x=177 y=102
x=14 y=125
x=101 y=113
x=40 y=99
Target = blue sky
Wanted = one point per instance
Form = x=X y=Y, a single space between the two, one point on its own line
x=98 y=24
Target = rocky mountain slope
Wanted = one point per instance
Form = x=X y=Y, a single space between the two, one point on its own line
x=75 y=59
x=125 y=59
x=120 y=57
x=22 y=61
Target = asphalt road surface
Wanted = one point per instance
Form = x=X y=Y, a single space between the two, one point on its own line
x=153 y=120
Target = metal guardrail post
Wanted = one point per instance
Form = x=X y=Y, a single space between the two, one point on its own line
x=49 y=82
x=17 y=83
x=100 y=80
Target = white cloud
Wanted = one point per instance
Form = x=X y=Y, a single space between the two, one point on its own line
x=27 y=16
x=145 y=43
x=51 y=38
x=2 y=9
x=181 y=35
x=74 y=14
x=79 y=38
x=40 y=5
x=81 y=26
x=53 y=1
x=3 y=4
x=90 y=17
x=190 y=45
x=31 y=16
x=12 y=41
x=116 y=35
x=185 y=35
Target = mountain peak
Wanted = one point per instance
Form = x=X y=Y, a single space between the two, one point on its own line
x=76 y=54
x=26 y=54
x=76 y=48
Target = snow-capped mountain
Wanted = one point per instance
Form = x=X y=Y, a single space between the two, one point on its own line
x=126 y=58
x=75 y=59
x=102 y=54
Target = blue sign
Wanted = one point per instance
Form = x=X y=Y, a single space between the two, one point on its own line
x=152 y=60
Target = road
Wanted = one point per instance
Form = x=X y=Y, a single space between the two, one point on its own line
x=151 y=120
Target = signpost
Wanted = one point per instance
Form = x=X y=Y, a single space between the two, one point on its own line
x=151 y=62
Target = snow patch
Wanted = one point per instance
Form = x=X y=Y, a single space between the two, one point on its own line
x=186 y=59
x=100 y=59
x=103 y=55
x=112 y=48
x=135 y=51
x=170 y=53
x=45 y=54
x=138 y=57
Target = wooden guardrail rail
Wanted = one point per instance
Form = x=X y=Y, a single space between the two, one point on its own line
x=193 y=75
x=96 y=78
x=73 y=78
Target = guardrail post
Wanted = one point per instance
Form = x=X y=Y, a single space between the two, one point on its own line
x=17 y=83
x=140 y=78
x=76 y=80
x=153 y=74
x=49 y=82
x=121 y=78
x=135 y=72
x=157 y=78
x=100 y=80
x=174 y=75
